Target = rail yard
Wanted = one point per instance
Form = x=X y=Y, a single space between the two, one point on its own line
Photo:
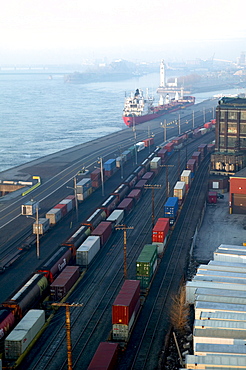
x=102 y=280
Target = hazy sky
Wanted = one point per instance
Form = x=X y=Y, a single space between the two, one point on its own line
x=49 y=30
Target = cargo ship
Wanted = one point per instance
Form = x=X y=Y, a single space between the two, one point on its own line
x=139 y=109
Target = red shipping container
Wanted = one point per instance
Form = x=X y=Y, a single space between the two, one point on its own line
x=197 y=157
x=148 y=176
x=191 y=165
x=212 y=197
x=160 y=230
x=63 y=208
x=126 y=303
x=96 y=183
x=126 y=204
x=96 y=174
x=73 y=199
x=207 y=125
x=105 y=357
x=169 y=147
x=162 y=153
x=140 y=184
x=148 y=142
x=104 y=230
x=203 y=149
x=135 y=194
x=211 y=147
x=64 y=282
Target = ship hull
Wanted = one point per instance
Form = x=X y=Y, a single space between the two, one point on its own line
x=136 y=120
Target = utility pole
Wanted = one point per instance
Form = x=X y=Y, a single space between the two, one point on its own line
x=153 y=187
x=37 y=221
x=68 y=330
x=167 y=183
x=164 y=124
x=193 y=119
x=76 y=198
x=179 y=125
x=124 y=228
x=101 y=168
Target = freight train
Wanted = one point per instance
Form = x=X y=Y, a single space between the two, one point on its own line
x=83 y=245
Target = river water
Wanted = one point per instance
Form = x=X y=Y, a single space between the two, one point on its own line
x=40 y=114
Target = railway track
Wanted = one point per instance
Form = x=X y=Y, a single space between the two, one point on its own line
x=105 y=275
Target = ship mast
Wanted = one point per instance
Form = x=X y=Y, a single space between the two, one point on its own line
x=162 y=74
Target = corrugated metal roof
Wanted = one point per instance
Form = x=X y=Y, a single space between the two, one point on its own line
x=238 y=362
x=220 y=315
x=220 y=306
x=230 y=268
x=221 y=299
x=221 y=292
x=220 y=324
x=220 y=348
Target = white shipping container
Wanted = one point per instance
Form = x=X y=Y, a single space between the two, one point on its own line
x=116 y=216
x=86 y=194
x=160 y=246
x=229 y=268
x=155 y=163
x=87 y=251
x=192 y=286
x=217 y=307
x=231 y=316
x=220 y=324
x=54 y=215
x=140 y=146
x=186 y=176
x=41 y=227
x=230 y=256
x=29 y=208
x=206 y=362
x=204 y=349
x=179 y=189
x=69 y=203
x=83 y=185
x=23 y=334
x=234 y=275
x=218 y=336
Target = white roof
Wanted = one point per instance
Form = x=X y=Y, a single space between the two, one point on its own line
x=213 y=306
x=221 y=299
x=220 y=324
x=219 y=333
x=238 y=362
x=221 y=292
x=220 y=348
x=220 y=315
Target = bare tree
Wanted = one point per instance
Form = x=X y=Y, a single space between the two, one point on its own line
x=179 y=313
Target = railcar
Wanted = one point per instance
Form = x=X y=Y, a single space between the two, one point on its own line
x=110 y=204
x=77 y=237
x=95 y=218
x=121 y=191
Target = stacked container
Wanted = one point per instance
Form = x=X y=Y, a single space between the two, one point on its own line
x=135 y=194
x=140 y=146
x=197 y=157
x=63 y=208
x=87 y=251
x=105 y=357
x=127 y=154
x=110 y=167
x=160 y=233
x=163 y=154
x=54 y=215
x=125 y=309
x=179 y=191
x=64 y=282
x=186 y=177
x=148 y=176
x=148 y=142
x=29 y=208
x=169 y=147
x=23 y=334
x=126 y=204
x=41 y=227
x=116 y=217
x=84 y=188
x=69 y=204
x=146 y=265
x=192 y=165
x=171 y=209
x=203 y=149
x=104 y=231
x=96 y=179
x=155 y=164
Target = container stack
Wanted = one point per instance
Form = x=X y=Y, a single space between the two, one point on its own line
x=110 y=167
x=171 y=209
x=41 y=226
x=87 y=251
x=155 y=165
x=163 y=154
x=84 y=188
x=125 y=309
x=197 y=156
x=146 y=265
x=160 y=234
x=192 y=166
x=96 y=179
x=218 y=293
x=179 y=191
x=104 y=231
x=64 y=282
x=186 y=177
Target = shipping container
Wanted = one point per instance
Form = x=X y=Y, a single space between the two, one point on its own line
x=203 y=149
x=105 y=357
x=121 y=192
x=63 y=208
x=135 y=194
x=69 y=203
x=228 y=281
x=220 y=292
x=230 y=247
x=64 y=282
x=224 y=266
x=104 y=231
x=146 y=265
x=77 y=238
x=186 y=177
x=55 y=264
x=169 y=147
x=110 y=164
x=204 y=349
x=140 y=146
x=116 y=217
x=215 y=361
x=85 y=194
x=87 y=250
x=120 y=161
x=27 y=296
x=109 y=204
x=148 y=176
x=29 y=208
x=125 y=309
x=148 y=142
x=211 y=148
x=23 y=334
x=197 y=157
x=83 y=185
x=126 y=204
x=155 y=163
x=212 y=197
x=72 y=197
x=127 y=154
x=54 y=215
x=171 y=207
x=160 y=233
x=141 y=185
x=96 y=174
x=191 y=165
x=163 y=154
x=95 y=218
x=179 y=190
x=41 y=227
x=218 y=336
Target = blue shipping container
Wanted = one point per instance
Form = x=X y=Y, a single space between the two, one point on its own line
x=171 y=207
x=110 y=164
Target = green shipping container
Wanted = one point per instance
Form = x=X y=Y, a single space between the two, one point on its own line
x=146 y=264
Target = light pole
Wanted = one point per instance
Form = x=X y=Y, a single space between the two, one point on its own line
x=75 y=195
x=100 y=161
x=135 y=139
x=164 y=125
x=193 y=119
x=37 y=223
